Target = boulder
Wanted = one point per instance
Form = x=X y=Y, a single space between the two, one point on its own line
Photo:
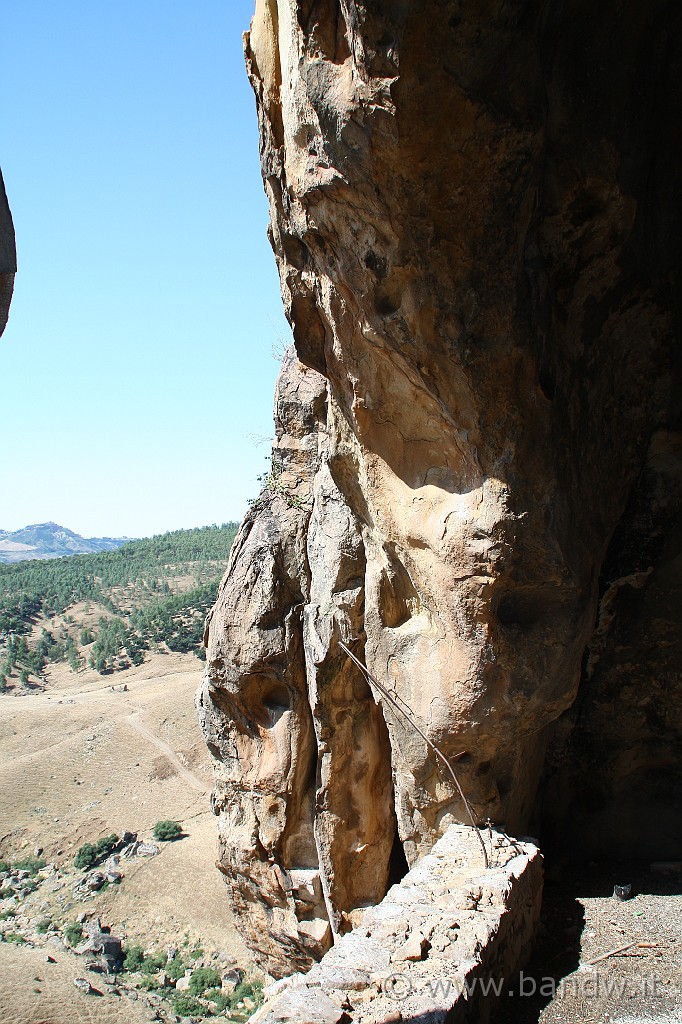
x=230 y=980
x=146 y=850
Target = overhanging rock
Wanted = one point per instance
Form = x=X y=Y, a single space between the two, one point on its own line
x=440 y=944
x=476 y=482
x=8 y=257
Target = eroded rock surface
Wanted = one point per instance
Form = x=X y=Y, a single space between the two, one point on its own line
x=475 y=214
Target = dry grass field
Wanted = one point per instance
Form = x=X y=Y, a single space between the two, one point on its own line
x=86 y=758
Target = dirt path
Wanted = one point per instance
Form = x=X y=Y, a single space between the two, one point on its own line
x=190 y=778
x=101 y=694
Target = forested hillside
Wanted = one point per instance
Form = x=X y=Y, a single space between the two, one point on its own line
x=112 y=606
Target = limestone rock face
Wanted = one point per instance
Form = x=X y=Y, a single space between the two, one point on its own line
x=475 y=214
x=8 y=257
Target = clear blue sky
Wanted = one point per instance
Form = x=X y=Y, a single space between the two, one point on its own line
x=137 y=368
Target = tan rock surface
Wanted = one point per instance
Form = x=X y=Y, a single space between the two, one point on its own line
x=475 y=214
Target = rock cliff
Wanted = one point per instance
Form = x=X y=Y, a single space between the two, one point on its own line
x=476 y=479
x=8 y=257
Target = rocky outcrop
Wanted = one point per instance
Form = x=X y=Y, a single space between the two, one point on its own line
x=475 y=483
x=440 y=946
x=8 y=257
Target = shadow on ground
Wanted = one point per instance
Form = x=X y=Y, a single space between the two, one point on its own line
x=561 y=943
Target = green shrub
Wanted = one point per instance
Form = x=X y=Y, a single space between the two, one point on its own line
x=203 y=978
x=175 y=968
x=220 y=999
x=14 y=937
x=252 y=990
x=73 y=933
x=166 y=831
x=31 y=864
x=103 y=847
x=149 y=984
x=85 y=856
x=186 y=1006
x=153 y=963
x=4 y=865
x=43 y=925
x=90 y=854
x=134 y=958
x=196 y=953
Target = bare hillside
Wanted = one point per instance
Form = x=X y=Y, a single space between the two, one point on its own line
x=84 y=759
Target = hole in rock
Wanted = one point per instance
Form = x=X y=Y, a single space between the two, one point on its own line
x=521 y=609
x=504 y=785
x=397 y=864
x=385 y=304
x=268 y=706
x=295 y=251
x=276 y=704
x=398 y=599
x=377 y=264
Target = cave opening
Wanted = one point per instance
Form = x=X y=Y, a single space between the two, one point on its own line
x=397 y=862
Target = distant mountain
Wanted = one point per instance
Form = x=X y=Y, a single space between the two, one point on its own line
x=49 y=540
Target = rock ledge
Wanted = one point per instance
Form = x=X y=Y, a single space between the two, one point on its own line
x=439 y=945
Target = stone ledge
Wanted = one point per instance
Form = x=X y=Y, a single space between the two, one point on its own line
x=433 y=948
